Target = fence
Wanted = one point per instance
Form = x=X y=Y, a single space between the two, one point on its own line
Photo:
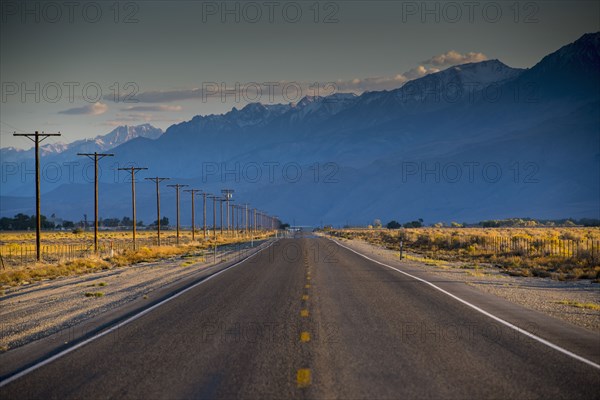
x=14 y=254
x=18 y=254
x=515 y=246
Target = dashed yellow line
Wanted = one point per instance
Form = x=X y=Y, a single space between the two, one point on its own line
x=304 y=313
x=303 y=377
x=304 y=297
x=305 y=337
x=307 y=286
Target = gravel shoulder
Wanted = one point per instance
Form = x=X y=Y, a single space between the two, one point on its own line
x=38 y=310
x=554 y=298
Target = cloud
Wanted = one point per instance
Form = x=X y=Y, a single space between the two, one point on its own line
x=212 y=90
x=136 y=118
x=431 y=66
x=91 y=109
x=166 y=96
x=158 y=108
x=453 y=57
x=383 y=83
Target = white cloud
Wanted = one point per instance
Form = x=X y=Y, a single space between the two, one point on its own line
x=430 y=66
x=91 y=109
x=136 y=118
x=356 y=85
x=453 y=57
x=157 y=108
x=382 y=82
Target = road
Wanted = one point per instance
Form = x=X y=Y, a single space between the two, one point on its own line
x=307 y=318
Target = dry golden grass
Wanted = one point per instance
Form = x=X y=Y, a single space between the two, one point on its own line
x=576 y=304
x=465 y=244
x=48 y=270
x=40 y=271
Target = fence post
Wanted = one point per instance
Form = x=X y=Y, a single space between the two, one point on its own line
x=401 y=248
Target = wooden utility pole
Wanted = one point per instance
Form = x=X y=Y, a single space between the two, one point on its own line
x=193 y=192
x=214 y=199
x=177 y=187
x=157 y=180
x=246 y=219
x=204 y=194
x=221 y=200
x=133 y=171
x=227 y=194
x=96 y=157
x=37 y=138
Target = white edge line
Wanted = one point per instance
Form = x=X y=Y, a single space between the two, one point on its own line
x=121 y=324
x=482 y=311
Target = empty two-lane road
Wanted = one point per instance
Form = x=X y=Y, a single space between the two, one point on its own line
x=307 y=318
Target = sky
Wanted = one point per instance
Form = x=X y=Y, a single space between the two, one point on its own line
x=85 y=67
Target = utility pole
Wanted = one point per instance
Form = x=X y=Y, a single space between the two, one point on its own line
x=204 y=194
x=227 y=194
x=157 y=180
x=221 y=200
x=133 y=171
x=232 y=218
x=96 y=157
x=177 y=187
x=37 y=138
x=246 y=219
x=214 y=199
x=193 y=192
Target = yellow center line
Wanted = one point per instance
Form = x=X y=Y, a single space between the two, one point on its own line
x=307 y=286
x=304 y=297
x=305 y=337
x=303 y=377
x=304 y=313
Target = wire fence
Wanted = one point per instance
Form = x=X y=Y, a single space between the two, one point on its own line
x=503 y=246
x=16 y=254
x=515 y=246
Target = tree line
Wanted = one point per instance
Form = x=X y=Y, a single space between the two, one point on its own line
x=23 y=222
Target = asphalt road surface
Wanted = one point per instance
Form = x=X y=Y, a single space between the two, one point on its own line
x=307 y=318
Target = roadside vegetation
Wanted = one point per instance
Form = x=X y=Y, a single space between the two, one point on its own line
x=36 y=271
x=561 y=253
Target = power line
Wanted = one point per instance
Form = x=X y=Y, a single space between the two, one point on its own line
x=35 y=138
x=193 y=192
x=177 y=186
x=96 y=157
x=157 y=180
x=133 y=171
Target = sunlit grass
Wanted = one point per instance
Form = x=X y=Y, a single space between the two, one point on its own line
x=576 y=304
x=32 y=272
x=530 y=254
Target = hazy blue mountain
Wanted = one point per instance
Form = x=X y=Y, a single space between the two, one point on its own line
x=18 y=165
x=100 y=143
x=475 y=141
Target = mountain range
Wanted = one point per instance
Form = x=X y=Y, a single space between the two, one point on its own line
x=475 y=141
x=100 y=143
